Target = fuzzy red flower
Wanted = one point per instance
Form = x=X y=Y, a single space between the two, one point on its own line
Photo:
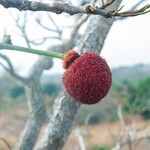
x=88 y=79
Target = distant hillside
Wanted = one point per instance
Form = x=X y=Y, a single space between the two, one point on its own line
x=134 y=72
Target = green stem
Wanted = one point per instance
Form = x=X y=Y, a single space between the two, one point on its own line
x=30 y=50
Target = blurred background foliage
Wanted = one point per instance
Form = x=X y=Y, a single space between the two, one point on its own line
x=95 y=147
x=130 y=90
x=130 y=85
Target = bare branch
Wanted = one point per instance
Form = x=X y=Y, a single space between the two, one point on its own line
x=52 y=6
x=93 y=3
x=133 y=8
x=75 y=28
x=80 y=138
x=55 y=25
x=108 y=3
x=137 y=139
x=59 y=7
x=11 y=70
x=7 y=144
x=38 y=20
x=43 y=40
x=141 y=11
x=80 y=21
x=22 y=27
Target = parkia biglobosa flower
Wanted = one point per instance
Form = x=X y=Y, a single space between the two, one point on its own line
x=87 y=77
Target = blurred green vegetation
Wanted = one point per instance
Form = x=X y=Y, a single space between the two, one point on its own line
x=135 y=96
x=96 y=147
x=8 y=105
x=51 y=89
x=138 y=99
x=17 y=91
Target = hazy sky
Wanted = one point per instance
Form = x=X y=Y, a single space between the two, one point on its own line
x=128 y=41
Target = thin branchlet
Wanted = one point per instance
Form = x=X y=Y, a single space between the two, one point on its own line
x=7 y=144
x=145 y=9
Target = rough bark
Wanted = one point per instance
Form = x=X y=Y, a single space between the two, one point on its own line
x=57 y=7
x=65 y=107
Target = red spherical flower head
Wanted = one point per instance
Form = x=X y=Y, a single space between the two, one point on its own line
x=88 y=79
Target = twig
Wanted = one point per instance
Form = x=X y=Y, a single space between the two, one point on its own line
x=55 y=25
x=80 y=139
x=7 y=144
x=136 y=139
x=11 y=70
x=93 y=3
x=22 y=27
x=141 y=11
x=129 y=142
x=43 y=40
x=44 y=26
x=78 y=23
x=109 y=2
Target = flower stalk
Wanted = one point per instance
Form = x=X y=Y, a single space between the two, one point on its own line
x=53 y=54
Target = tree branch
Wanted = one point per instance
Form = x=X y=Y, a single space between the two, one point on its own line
x=5 y=142
x=59 y=7
x=57 y=30
x=22 y=26
x=43 y=40
x=38 y=116
x=52 y=6
x=145 y=9
x=11 y=70
x=131 y=9
x=108 y=3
